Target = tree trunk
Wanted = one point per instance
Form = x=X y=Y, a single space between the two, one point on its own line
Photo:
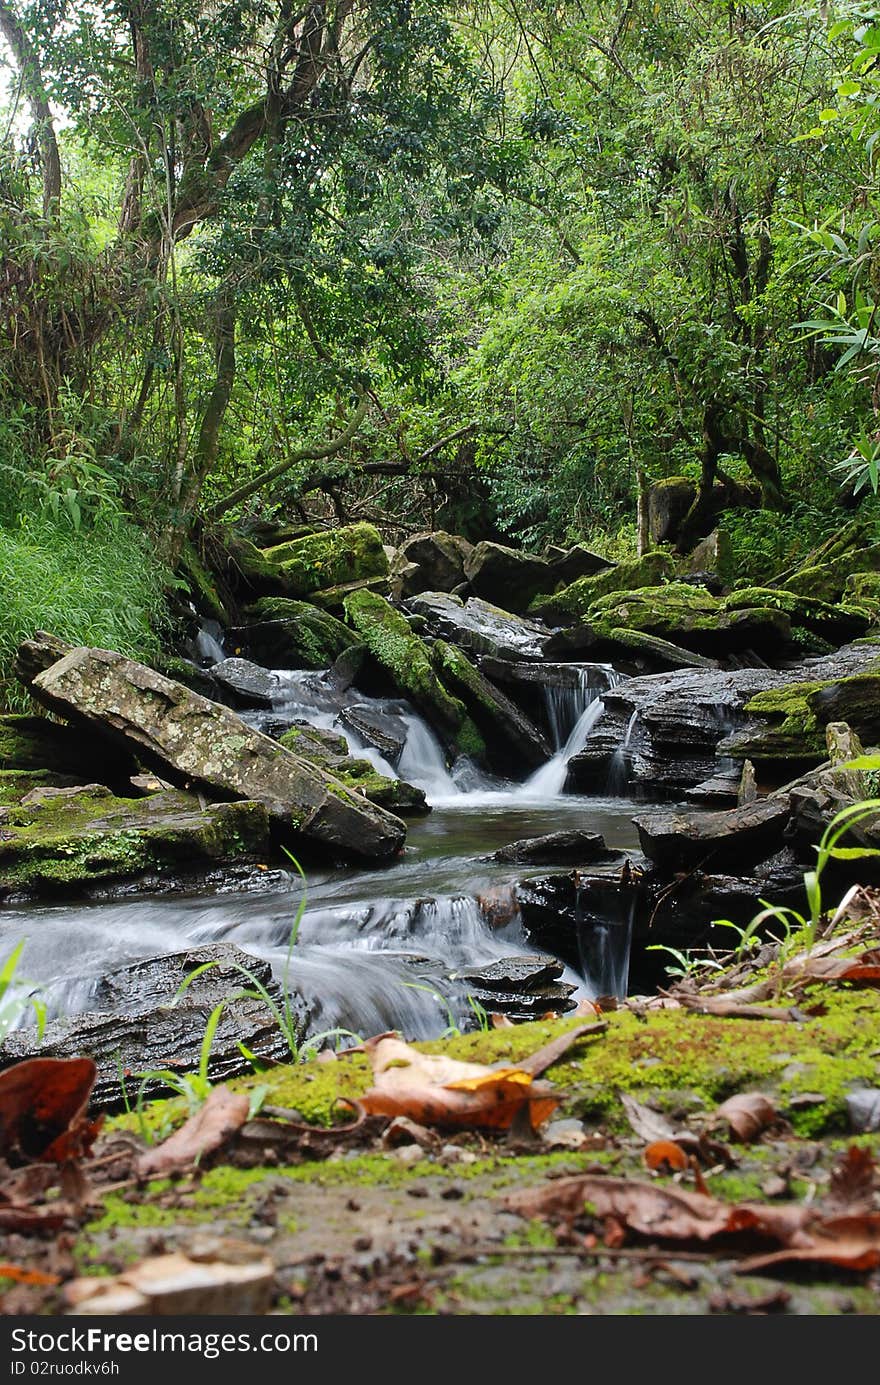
x=32 y=83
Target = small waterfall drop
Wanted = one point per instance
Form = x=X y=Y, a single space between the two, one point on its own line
x=618 y=769
x=423 y=763
x=549 y=780
x=209 y=643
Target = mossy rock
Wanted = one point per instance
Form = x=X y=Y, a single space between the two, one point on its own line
x=71 y=839
x=37 y=743
x=329 y=752
x=294 y=634
x=827 y=581
x=688 y=616
x=201 y=584
x=797 y=714
x=332 y=599
x=834 y=623
x=328 y=559
x=576 y=599
x=407 y=659
x=863 y=589
x=500 y=720
x=15 y=783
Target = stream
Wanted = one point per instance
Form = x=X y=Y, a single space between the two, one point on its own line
x=375 y=948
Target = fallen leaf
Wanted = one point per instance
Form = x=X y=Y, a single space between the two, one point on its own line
x=23 y=1276
x=729 y=1008
x=852 y=1179
x=434 y=1089
x=747 y=1114
x=42 y=1109
x=647 y=1123
x=665 y=1155
x=851 y=1243
x=501 y=1021
x=660 y=1211
x=221 y=1115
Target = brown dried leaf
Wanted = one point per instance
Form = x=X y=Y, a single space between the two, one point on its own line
x=659 y=1211
x=852 y=1243
x=42 y=1109
x=852 y=1180
x=647 y=1123
x=436 y=1090
x=545 y=1057
x=229 y=1281
x=23 y=1276
x=223 y=1113
x=747 y=1114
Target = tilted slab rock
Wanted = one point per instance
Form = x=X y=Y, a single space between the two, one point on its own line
x=735 y=836
x=190 y=740
x=479 y=627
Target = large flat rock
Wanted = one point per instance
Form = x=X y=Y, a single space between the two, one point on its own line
x=190 y=741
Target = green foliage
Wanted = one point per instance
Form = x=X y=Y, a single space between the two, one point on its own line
x=16 y=997
x=102 y=586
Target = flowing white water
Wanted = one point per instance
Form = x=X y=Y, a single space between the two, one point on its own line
x=618 y=770
x=549 y=780
x=209 y=643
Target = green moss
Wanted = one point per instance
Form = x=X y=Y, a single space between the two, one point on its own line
x=302 y=635
x=407 y=659
x=201 y=585
x=321 y=560
x=78 y=839
x=576 y=599
x=831 y=622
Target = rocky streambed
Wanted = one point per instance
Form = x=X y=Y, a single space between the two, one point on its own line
x=367 y=784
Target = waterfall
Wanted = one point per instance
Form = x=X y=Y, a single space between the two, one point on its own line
x=209 y=643
x=604 y=945
x=423 y=763
x=549 y=780
x=618 y=769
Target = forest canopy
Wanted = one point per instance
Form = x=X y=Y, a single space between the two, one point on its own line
x=492 y=267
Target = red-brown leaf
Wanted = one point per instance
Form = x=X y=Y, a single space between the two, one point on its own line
x=222 y=1114
x=747 y=1114
x=42 y=1108
x=666 y=1155
x=851 y=1243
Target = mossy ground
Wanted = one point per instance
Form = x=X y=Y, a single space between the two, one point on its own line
x=352 y=1226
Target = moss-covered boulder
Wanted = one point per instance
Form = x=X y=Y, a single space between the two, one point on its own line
x=658 y=653
x=827 y=581
x=788 y=724
x=863 y=589
x=283 y=633
x=513 y=741
x=834 y=623
x=407 y=660
x=68 y=839
x=691 y=617
x=575 y=600
x=332 y=599
x=319 y=561
x=201 y=584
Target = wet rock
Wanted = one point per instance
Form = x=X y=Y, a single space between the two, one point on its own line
x=523 y=988
x=587 y=917
x=507 y=576
x=654 y=652
x=682 y=839
x=251 y=685
x=67 y=840
x=329 y=558
x=721 y=791
x=35 y=654
x=557 y=849
x=575 y=601
x=188 y=739
x=135 y=1026
x=385 y=731
x=478 y=627
x=314 y=743
x=330 y=753
x=504 y=726
x=691 y=617
x=407 y=659
x=282 y=633
x=431 y=561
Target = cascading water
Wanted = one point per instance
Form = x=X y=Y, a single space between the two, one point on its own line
x=618 y=769
x=209 y=643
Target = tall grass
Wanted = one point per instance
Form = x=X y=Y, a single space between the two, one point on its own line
x=100 y=586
